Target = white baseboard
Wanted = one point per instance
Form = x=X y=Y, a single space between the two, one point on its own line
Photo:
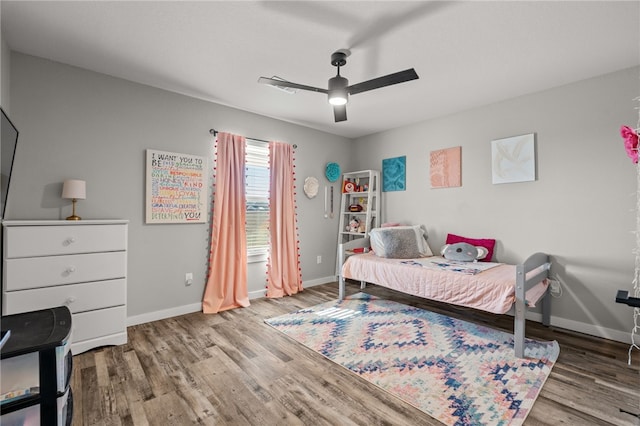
x=305 y=284
x=581 y=327
x=197 y=307
x=163 y=314
x=319 y=281
x=257 y=294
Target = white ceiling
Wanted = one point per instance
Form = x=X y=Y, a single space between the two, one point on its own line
x=467 y=54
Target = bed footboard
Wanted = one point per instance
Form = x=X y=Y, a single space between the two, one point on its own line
x=343 y=250
x=531 y=272
x=528 y=274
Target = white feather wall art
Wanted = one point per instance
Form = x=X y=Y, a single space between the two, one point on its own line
x=513 y=159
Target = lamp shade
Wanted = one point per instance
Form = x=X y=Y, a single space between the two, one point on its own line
x=74 y=189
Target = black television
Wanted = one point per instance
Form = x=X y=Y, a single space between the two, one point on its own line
x=8 y=141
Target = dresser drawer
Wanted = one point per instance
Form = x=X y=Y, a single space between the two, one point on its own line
x=30 y=241
x=93 y=324
x=36 y=272
x=77 y=297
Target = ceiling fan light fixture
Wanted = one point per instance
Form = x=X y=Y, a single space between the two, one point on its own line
x=338 y=97
x=338 y=94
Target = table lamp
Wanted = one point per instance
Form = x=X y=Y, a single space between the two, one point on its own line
x=74 y=190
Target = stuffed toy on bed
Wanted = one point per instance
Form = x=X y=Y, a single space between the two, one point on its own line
x=463 y=252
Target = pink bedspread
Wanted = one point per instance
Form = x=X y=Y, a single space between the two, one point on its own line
x=492 y=290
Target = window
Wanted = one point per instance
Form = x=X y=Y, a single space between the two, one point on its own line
x=257 y=193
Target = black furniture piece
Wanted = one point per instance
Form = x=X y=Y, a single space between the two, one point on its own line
x=623 y=297
x=38 y=340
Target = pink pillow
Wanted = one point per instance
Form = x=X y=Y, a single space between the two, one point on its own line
x=489 y=244
x=390 y=224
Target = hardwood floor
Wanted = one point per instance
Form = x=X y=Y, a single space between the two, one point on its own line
x=232 y=369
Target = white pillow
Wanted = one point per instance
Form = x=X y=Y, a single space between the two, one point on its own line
x=400 y=242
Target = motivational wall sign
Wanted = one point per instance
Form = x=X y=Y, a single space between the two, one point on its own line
x=176 y=188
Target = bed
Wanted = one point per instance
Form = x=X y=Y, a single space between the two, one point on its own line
x=495 y=288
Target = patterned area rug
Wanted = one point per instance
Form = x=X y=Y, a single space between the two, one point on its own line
x=457 y=372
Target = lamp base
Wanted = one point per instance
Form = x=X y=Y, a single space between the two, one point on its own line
x=73 y=212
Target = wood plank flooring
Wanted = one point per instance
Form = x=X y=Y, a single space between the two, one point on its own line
x=232 y=369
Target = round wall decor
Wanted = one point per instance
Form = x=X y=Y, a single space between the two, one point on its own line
x=332 y=172
x=311 y=186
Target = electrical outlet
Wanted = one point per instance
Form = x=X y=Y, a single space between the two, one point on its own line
x=319 y=259
x=555 y=286
x=188 y=278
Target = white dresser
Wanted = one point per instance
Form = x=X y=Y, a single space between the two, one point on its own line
x=80 y=264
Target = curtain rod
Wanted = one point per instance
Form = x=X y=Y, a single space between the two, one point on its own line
x=214 y=132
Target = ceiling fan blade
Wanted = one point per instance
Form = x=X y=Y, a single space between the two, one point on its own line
x=281 y=83
x=387 y=80
x=340 y=112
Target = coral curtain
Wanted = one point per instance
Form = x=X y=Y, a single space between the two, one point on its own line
x=283 y=267
x=227 y=282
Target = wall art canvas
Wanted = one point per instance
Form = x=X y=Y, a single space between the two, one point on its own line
x=176 y=188
x=513 y=159
x=445 y=167
x=394 y=174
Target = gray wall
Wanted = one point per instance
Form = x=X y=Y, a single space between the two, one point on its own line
x=580 y=210
x=75 y=123
x=5 y=70
x=5 y=54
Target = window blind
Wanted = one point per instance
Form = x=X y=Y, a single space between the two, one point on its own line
x=257 y=193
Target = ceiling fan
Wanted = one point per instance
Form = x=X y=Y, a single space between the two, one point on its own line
x=339 y=90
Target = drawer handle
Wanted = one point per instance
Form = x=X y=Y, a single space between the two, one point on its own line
x=69 y=241
x=70 y=269
x=69 y=301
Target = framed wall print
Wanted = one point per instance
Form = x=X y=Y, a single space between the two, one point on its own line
x=513 y=159
x=394 y=173
x=445 y=168
x=176 y=188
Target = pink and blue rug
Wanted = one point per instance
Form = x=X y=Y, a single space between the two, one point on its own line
x=457 y=372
